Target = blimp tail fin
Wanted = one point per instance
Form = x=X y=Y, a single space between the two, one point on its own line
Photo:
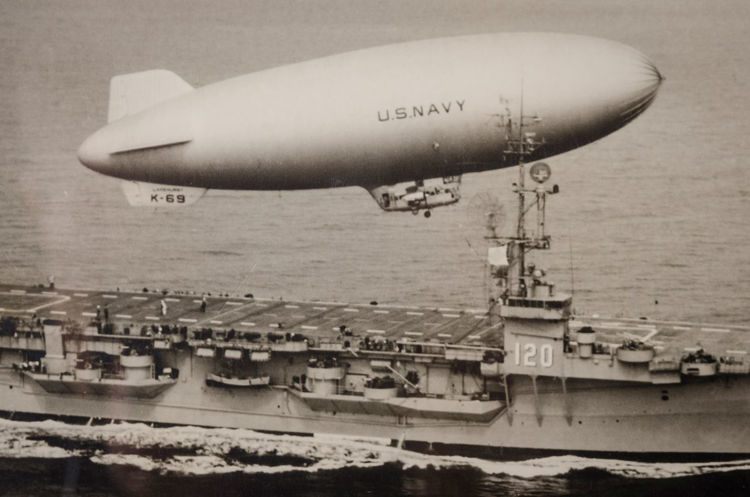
x=134 y=92
x=142 y=194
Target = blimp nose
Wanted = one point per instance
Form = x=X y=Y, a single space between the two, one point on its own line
x=586 y=89
x=616 y=79
x=645 y=80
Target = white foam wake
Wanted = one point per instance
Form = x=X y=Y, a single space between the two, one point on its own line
x=203 y=451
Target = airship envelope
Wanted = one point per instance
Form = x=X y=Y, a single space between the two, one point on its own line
x=404 y=121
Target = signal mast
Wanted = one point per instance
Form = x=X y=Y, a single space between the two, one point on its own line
x=518 y=280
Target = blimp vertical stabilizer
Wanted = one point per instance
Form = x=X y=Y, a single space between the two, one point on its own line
x=136 y=92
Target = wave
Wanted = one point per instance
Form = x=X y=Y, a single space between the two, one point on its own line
x=190 y=451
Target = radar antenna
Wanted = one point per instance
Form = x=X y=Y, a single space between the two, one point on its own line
x=486 y=210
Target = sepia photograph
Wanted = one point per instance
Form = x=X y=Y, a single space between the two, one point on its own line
x=398 y=248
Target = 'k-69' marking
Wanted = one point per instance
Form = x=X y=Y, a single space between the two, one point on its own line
x=168 y=198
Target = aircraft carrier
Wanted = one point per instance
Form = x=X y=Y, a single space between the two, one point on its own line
x=523 y=376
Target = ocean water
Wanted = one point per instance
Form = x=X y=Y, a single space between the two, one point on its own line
x=650 y=221
x=135 y=459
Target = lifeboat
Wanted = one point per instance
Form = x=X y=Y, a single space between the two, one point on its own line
x=216 y=380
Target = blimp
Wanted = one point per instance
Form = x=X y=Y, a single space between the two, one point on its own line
x=404 y=121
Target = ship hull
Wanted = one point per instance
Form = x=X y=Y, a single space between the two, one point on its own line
x=699 y=420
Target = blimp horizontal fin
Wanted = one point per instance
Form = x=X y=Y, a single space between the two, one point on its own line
x=142 y=194
x=135 y=143
x=134 y=92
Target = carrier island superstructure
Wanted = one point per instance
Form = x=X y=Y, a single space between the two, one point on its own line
x=524 y=374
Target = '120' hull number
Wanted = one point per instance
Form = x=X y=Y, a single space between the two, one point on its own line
x=531 y=355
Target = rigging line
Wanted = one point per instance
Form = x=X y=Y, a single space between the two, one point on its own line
x=572 y=278
x=236 y=288
x=479 y=256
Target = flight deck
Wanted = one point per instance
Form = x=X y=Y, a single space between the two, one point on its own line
x=314 y=320
x=318 y=321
